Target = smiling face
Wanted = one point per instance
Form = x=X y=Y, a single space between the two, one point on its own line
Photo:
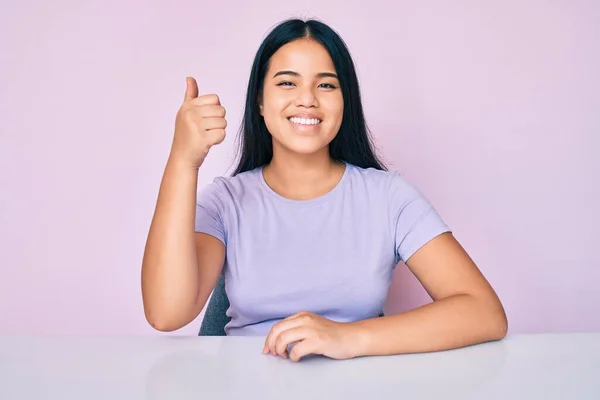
x=302 y=102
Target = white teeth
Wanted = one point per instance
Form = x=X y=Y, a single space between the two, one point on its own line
x=305 y=121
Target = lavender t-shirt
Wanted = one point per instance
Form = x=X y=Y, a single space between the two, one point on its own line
x=333 y=255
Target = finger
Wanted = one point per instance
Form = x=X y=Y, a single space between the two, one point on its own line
x=191 y=89
x=273 y=332
x=216 y=136
x=211 y=110
x=298 y=314
x=288 y=337
x=303 y=348
x=214 y=123
x=206 y=99
x=283 y=325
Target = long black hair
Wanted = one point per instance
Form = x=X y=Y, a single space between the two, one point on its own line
x=353 y=143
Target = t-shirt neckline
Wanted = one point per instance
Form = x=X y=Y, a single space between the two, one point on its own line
x=311 y=202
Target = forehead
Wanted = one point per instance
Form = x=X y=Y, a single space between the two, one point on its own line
x=304 y=56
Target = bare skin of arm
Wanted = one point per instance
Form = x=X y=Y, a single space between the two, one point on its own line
x=180 y=267
x=466 y=310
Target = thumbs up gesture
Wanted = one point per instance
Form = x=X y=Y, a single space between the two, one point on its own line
x=199 y=125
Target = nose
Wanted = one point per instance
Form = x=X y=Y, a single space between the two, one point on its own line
x=306 y=98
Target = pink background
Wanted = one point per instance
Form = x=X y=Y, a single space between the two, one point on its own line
x=491 y=108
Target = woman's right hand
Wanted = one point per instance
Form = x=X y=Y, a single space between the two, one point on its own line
x=199 y=125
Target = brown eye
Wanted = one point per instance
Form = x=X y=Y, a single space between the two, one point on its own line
x=327 y=86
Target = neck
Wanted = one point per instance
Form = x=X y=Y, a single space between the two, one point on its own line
x=303 y=177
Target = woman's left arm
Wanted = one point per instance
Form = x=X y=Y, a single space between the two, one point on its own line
x=465 y=308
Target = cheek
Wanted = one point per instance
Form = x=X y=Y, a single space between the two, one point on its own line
x=271 y=113
x=335 y=108
x=274 y=103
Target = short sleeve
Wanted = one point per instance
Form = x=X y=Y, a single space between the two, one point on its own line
x=414 y=220
x=209 y=212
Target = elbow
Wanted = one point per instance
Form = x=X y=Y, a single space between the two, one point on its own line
x=498 y=329
x=491 y=318
x=162 y=322
x=501 y=328
x=162 y=326
x=498 y=325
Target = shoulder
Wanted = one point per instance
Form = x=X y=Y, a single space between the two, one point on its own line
x=391 y=185
x=231 y=187
x=413 y=220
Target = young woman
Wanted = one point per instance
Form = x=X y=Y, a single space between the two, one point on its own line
x=308 y=230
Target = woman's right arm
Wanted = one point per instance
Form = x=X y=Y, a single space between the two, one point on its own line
x=180 y=267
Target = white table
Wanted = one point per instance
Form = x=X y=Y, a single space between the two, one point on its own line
x=548 y=366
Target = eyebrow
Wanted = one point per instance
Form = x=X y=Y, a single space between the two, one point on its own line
x=319 y=75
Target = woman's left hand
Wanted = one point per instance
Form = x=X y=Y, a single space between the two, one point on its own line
x=311 y=334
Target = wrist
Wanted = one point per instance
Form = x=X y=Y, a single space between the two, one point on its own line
x=181 y=164
x=357 y=335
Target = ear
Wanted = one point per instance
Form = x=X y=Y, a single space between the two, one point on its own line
x=260 y=104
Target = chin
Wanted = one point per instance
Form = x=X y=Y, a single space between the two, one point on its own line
x=306 y=150
x=305 y=147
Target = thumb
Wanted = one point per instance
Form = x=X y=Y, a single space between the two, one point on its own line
x=191 y=90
